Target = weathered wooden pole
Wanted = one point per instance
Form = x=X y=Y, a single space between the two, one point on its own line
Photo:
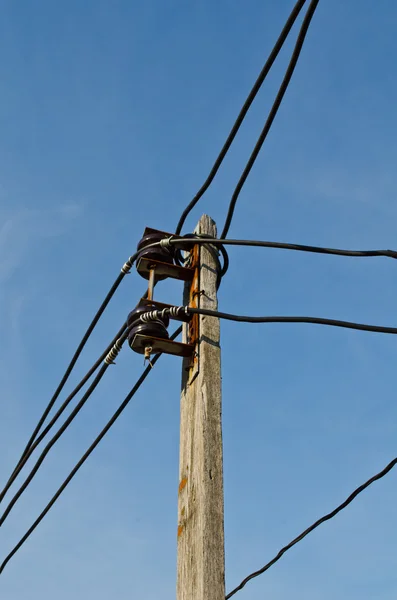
x=201 y=557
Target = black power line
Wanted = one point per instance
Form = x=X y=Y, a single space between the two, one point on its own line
x=49 y=426
x=317 y=523
x=124 y=271
x=52 y=441
x=94 y=444
x=108 y=360
x=191 y=239
x=272 y=114
x=73 y=362
x=313 y=320
x=247 y=104
x=188 y=311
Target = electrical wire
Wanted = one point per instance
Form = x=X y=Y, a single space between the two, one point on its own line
x=52 y=441
x=73 y=361
x=327 y=517
x=124 y=271
x=94 y=444
x=188 y=311
x=272 y=114
x=39 y=439
x=244 y=110
x=35 y=440
x=189 y=240
x=60 y=431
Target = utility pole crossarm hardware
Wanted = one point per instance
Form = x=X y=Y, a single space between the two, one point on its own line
x=201 y=560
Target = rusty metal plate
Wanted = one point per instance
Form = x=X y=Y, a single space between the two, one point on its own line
x=140 y=342
x=193 y=333
x=145 y=265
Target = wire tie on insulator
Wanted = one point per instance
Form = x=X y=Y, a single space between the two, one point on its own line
x=151 y=315
x=174 y=311
x=127 y=266
x=114 y=352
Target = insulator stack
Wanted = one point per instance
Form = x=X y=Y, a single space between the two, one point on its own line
x=153 y=329
x=156 y=254
x=156 y=263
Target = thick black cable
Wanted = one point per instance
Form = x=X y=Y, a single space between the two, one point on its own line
x=186 y=243
x=273 y=112
x=327 y=517
x=313 y=320
x=251 y=96
x=73 y=362
x=94 y=444
x=124 y=271
x=28 y=449
x=188 y=311
x=52 y=441
x=59 y=412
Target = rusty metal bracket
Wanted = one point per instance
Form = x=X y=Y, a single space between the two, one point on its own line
x=152 y=260
x=146 y=265
x=141 y=342
x=192 y=298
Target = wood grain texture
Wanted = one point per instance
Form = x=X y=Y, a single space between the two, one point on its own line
x=201 y=560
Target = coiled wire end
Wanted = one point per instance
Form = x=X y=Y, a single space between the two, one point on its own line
x=114 y=352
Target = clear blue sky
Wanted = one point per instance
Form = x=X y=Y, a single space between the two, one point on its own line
x=111 y=114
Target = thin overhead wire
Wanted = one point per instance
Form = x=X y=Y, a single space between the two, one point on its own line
x=244 y=110
x=317 y=523
x=94 y=444
x=23 y=460
x=272 y=114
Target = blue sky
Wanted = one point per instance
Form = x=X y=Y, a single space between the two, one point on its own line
x=111 y=114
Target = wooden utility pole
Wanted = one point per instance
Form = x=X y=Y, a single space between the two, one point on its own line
x=201 y=555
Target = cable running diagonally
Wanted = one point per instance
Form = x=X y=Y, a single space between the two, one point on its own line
x=316 y=524
x=94 y=444
x=243 y=112
x=23 y=460
x=272 y=114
